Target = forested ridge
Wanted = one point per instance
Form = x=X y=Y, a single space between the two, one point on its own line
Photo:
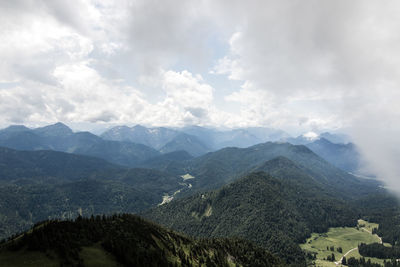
x=133 y=241
x=39 y=185
x=286 y=192
x=274 y=213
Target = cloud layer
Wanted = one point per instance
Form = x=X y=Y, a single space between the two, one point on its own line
x=295 y=65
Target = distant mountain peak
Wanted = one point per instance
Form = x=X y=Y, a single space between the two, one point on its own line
x=186 y=142
x=139 y=127
x=57 y=129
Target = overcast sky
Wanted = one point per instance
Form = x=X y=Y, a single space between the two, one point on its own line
x=295 y=65
x=300 y=66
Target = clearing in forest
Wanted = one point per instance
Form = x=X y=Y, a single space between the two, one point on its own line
x=340 y=240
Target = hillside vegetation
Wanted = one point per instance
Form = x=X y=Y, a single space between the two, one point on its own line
x=125 y=240
x=274 y=213
x=218 y=168
x=340 y=241
x=38 y=185
x=59 y=137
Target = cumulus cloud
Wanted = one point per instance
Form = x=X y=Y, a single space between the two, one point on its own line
x=343 y=54
x=319 y=50
x=314 y=65
x=168 y=32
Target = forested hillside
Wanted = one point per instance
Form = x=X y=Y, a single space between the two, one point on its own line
x=218 y=168
x=36 y=185
x=59 y=137
x=275 y=213
x=125 y=240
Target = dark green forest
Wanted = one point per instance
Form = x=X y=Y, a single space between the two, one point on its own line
x=277 y=214
x=380 y=251
x=134 y=241
x=274 y=195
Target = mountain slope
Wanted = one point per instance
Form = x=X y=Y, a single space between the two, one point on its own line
x=129 y=241
x=153 y=137
x=275 y=213
x=58 y=129
x=243 y=137
x=174 y=163
x=336 y=138
x=267 y=134
x=185 y=142
x=16 y=164
x=22 y=140
x=59 y=137
x=36 y=185
x=218 y=168
x=123 y=153
x=235 y=138
x=283 y=168
x=343 y=156
x=24 y=205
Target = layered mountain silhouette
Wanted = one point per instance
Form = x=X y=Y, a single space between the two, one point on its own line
x=60 y=137
x=209 y=138
x=130 y=146
x=218 y=168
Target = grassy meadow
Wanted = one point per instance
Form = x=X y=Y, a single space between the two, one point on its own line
x=346 y=238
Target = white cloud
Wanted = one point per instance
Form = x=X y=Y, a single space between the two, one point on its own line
x=187 y=90
x=302 y=65
x=340 y=54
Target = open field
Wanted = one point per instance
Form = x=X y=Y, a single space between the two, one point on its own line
x=346 y=238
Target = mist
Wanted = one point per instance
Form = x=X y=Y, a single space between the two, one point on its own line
x=376 y=133
x=339 y=58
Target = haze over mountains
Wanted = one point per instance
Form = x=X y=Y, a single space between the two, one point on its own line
x=129 y=146
x=255 y=133
x=181 y=179
x=211 y=138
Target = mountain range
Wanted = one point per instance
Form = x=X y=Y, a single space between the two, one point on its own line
x=220 y=167
x=37 y=185
x=211 y=139
x=130 y=146
x=335 y=148
x=273 y=194
x=269 y=211
x=60 y=137
x=56 y=181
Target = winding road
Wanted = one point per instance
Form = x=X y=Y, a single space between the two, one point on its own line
x=356 y=248
x=348 y=252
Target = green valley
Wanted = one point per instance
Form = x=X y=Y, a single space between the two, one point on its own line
x=340 y=242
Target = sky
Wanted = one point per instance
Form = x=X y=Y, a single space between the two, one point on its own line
x=300 y=66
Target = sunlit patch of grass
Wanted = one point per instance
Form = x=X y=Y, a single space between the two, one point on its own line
x=346 y=238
